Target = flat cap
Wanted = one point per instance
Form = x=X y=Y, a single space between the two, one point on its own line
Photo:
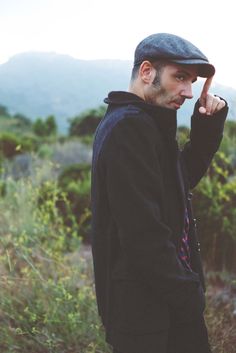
x=170 y=47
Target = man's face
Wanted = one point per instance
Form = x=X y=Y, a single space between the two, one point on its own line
x=171 y=86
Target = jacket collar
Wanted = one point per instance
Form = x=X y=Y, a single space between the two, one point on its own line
x=166 y=119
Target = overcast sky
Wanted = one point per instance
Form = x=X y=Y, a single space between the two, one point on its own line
x=111 y=29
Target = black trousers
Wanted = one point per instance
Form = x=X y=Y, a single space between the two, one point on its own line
x=183 y=338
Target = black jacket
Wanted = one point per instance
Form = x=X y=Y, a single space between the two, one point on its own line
x=140 y=190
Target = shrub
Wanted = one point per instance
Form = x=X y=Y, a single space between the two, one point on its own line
x=46 y=293
x=45 y=128
x=182 y=135
x=230 y=128
x=11 y=145
x=22 y=120
x=75 y=182
x=215 y=207
x=4 y=111
x=45 y=151
x=87 y=122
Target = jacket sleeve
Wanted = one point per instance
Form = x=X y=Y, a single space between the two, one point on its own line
x=205 y=137
x=134 y=185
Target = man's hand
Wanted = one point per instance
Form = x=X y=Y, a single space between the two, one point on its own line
x=209 y=104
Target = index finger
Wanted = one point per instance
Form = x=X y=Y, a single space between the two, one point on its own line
x=206 y=87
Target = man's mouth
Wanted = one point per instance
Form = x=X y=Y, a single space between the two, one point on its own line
x=178 y=103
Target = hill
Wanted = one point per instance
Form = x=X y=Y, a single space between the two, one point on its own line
x=41 y=84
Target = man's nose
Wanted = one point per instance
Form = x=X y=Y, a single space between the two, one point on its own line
x=187 y=91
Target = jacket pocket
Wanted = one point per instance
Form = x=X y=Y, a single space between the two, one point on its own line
x=192 y=307
x=137 y=309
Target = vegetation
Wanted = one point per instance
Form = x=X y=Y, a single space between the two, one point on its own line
x=45 y=128
x=86 y=123
x=75 y=182
x=4 y=111
x=47 y=294
x=217 y=194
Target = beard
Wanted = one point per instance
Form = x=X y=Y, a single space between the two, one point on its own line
x=160 y=96
x=157 y=93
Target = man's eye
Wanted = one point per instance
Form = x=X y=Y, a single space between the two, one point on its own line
x=180 y=78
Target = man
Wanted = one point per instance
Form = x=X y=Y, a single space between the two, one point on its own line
x=148 y=274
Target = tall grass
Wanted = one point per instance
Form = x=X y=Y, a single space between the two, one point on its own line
x=47 y=299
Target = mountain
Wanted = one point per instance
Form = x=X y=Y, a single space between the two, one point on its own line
x=42 y=84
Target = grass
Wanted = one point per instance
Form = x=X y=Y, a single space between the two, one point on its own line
x=220 y=317
x=221 y=324
x=48 y=305
x=47 y=299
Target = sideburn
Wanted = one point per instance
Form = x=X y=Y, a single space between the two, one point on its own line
x=159 y=66
x=156 y=81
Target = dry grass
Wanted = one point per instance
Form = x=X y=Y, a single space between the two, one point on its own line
x=220 y=317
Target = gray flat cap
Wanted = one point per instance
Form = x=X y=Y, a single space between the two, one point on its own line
x=166 y=46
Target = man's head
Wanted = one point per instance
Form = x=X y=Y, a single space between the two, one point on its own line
x=165 y=66
x=172 y=48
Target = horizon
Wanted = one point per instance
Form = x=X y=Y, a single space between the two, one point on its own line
x=214 y=82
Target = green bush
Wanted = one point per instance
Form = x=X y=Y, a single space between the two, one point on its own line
x=75 y=182
x=22 y=120
x=87 y=122
x=45 y=151
x=47 y=298
x=11 y=144
x=4 y=111
x=215 y=208
x=182 y=135
x=230 y=128
x=47 y=303
x=45 y=128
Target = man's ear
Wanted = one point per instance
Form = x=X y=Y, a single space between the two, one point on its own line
x=147 y=72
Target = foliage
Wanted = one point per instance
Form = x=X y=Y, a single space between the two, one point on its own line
x=75 y=182
x=49 y=315
x=216 y=193
x=51 y=125
x=228 y=144
x=46 y=293
x=11 y=145
x=215 y=203
x=230 y=128
x=45 y=151
x=22 y=120
x=219 y=314
x=45 y=128
x=3 y=111
x=87 y=122
x=183 y=133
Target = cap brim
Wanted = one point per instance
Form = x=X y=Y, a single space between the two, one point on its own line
x=204 y=69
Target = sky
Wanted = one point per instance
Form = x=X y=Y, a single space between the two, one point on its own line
x=111 y=29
